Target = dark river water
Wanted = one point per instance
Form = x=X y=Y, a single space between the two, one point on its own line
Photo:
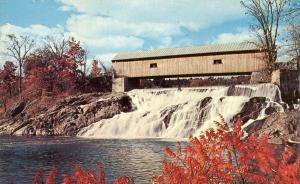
x=21 y=157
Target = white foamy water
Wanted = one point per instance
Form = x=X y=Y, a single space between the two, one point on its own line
x=170 y=113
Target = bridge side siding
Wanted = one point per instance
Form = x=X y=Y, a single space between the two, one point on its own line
x=231 y=63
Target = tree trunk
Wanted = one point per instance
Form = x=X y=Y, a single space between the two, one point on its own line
x=298 y=70
x=20 y=77
x=5 y=102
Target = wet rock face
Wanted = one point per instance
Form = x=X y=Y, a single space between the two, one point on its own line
x=252 y=108
x=279 y=127
x=202 y=108
x=202 y=105
x=270 y=110
x=168 y=112
x=68 y=116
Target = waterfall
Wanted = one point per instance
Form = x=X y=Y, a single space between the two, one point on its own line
x=173 y=113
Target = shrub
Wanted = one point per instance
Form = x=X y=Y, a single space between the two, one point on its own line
x=225 y=155
x=80 y=176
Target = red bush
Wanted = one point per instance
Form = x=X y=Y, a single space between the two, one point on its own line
x=224 y=155
x=80 y=176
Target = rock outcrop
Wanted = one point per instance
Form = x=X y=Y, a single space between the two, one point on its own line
x=66 y=117
x=252 y=108
x=280 y=127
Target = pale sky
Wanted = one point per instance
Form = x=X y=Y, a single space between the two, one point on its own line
x=107 y=27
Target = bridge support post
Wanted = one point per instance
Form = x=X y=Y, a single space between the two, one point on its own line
x=123 y=84
x=119 y=84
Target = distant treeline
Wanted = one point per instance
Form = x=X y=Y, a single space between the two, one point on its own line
x=194 y=82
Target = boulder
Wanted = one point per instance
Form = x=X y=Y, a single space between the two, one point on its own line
x=280 y=127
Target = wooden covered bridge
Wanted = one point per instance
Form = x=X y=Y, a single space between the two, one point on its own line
x=209 y=60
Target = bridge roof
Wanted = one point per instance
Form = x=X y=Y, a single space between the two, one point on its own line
x=169 y=52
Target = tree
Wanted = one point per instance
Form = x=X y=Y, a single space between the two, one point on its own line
x=7 y=81
x=8 y=76
x=294 y=9
x=95 y=69
x=294 y=31
x=294 y=40
x=268 y=14
x=75 y=56
x=19 y=48
x=39 y=79
x=40 y=57
x=82 y=65
x=227 y=155
x=58 y=47
x=54 y=70
x=39 y=69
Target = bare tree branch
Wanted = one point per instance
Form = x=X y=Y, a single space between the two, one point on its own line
x=56 y=46
x=19 y=48
x=267 y=14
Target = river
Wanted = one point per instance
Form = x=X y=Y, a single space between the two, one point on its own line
x=21 y=157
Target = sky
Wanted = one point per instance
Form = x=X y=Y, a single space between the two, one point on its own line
x=107 y=27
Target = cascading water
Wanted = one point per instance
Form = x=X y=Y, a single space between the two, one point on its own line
x=173 y=113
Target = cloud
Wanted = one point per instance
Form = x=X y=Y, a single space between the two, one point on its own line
x=166 y=42
x=65 y=8
x=98 y=26
x=191 y=14
x=107 y=26
x=106 y=34
x=106 y=57
x=114 y=26
x=109 y=43
x=38 y=32
x=112 y=33
x=240 y=36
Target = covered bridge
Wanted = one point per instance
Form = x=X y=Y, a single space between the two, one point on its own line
x=209 y=60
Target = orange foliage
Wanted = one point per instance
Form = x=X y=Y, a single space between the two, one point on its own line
x=224 y=155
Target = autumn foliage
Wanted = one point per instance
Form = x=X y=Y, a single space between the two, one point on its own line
x=50 y=72
x=8 y=82
x=80 y=176
x=222 y=155
x=226 y=155
x=54 y=74
x=95 y=69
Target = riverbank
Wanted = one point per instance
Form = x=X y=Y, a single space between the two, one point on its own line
x=64 y=118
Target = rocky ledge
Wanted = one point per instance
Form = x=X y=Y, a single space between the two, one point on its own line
x=66 y=117
x=281 y=127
